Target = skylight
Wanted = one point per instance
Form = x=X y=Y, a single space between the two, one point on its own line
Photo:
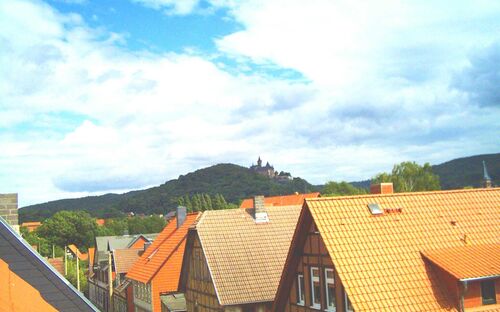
x=375 y=209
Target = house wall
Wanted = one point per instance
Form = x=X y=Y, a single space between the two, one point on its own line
x=314 y=254
x=473 y=298
x=200 y=291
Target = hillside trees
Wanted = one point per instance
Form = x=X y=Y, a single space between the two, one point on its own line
x=410 y=177
x=69 y=227
x=333 y=188
x=203 y=201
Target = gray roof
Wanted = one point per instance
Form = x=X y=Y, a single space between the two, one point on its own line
x=105 y=243
x=36 y=271
x=174 y=302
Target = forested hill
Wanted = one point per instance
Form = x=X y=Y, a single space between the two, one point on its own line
x=468 y=171
x=231 y=181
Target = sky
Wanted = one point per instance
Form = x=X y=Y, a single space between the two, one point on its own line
x=110 y=96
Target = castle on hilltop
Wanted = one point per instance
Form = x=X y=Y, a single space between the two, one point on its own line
x=269 y=171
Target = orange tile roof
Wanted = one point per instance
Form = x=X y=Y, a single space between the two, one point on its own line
x=125 y=258
x=457 y=260
x=285 y=200
x=15 y=291
x=32 y=224
x=246 y=258
x=74 y=250
x=165 y=252
x=57 y=263
x=378 y=257
x=100 y=222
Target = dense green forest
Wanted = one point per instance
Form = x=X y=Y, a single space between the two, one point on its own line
x=235 y=183
x=232 y=182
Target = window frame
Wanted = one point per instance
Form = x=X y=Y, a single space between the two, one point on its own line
x=313 y=294
x=330 y=281
x=346 y=301
x=493 y=300
x=301 y=295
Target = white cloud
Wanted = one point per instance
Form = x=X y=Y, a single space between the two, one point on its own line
x=175 y=7
x=82 y=115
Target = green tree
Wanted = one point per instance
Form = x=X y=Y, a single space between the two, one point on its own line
x=208 y=201
x=69 y=227
x=333 y=188
x=410 y=177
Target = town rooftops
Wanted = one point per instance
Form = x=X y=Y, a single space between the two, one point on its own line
x=379 y=256
x=75 y=251
x=246 y=258
x=164 y=256
x=105 y=243
x=285 y=200
x=28 y=281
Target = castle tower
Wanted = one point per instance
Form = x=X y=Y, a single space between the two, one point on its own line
x=259 y=162
x=486 y=176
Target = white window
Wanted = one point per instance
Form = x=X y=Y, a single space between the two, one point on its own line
x=300 y=289
x=330 y=290
x=315 y=288
x=348 y=305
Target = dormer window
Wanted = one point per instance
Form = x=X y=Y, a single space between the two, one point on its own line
x=488 y=293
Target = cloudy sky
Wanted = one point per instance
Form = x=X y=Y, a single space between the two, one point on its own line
x=109 y=96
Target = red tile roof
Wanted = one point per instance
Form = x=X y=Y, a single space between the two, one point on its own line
x=285 y=200
x=91 y=252
x=18 y=295
x=379 y=257
x=163 y=258
x=465 y=262
x=100 y=222
x=57 y=263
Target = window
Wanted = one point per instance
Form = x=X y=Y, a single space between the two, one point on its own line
x=348 y=305
x=300 y=289
x=488 y=292
x=315 y=288
x=330 y=290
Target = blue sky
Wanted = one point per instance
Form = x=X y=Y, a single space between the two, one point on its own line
x=110 y=96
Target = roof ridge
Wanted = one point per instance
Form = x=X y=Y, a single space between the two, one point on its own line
x=403 y=194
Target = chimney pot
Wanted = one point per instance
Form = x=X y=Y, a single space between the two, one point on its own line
x=382 y=188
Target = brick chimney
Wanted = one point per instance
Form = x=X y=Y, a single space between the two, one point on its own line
x=382 y=188
x=8 y=210
x=260 y=210
x=180 y=215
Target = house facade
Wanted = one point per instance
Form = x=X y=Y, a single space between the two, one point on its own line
x=156 y=273
x=234 y=258
x=428 y=251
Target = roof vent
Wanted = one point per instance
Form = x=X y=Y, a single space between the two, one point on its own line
x=260 y=210
x=375 y=209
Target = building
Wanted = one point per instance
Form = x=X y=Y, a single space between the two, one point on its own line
x=155 y=275
x=29 y=283
x=8 y=210
x=103 y=278
x=269 y=171
x=285 y=200
x=234 y=258
x=426 y=251
x=31 y=226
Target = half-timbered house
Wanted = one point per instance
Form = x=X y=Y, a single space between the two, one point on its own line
x=428 y=251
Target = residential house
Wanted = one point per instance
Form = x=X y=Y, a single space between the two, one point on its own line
x=31 y=226
x=234 y=258
x=123 y=260
x=425 y=251
x=75 y=252
x=29 y=283
x=283 y=200
x=103 y=277
x=155 y=275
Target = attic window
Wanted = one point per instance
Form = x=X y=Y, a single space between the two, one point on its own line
x=375 y=209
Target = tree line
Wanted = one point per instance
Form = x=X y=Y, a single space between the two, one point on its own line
x=203 y=201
